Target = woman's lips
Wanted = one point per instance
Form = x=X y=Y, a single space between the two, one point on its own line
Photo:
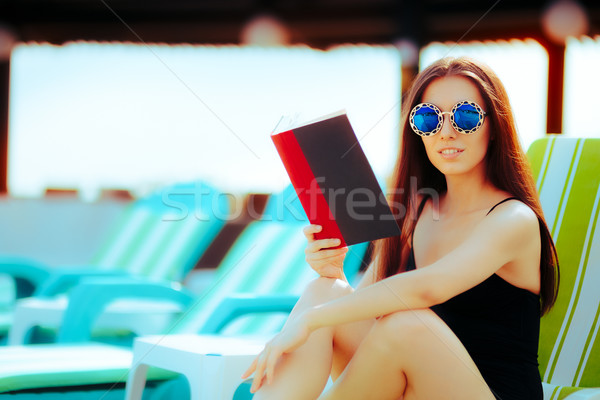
x=450 y=152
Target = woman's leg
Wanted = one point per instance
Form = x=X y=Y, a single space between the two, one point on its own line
x=412 y=354
x=304 y=373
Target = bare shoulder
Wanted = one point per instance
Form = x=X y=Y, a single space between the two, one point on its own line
x=516 y=219
x=516 y=211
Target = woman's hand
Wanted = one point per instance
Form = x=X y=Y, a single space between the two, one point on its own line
x=326 y=262
x=293 y=335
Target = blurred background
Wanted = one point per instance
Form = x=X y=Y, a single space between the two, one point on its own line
x=104 y=101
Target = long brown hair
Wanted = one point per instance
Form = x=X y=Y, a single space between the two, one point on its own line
x=506 y=167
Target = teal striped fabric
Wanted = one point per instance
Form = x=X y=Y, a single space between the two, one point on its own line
x=162 y=236
x=568 y=179
x=267 y=258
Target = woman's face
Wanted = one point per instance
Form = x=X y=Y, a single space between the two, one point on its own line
x=454 y=153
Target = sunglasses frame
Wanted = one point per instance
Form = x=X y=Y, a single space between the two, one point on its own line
x=440 y=115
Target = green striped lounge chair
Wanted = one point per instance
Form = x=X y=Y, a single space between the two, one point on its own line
x=159 y=238
x=568 y=180
x=267 y=260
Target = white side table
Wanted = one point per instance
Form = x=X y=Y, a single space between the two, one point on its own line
x=212 y=364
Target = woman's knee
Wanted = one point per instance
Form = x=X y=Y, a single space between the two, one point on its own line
x=403 y=328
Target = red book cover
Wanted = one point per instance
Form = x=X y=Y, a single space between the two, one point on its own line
x=334 y=180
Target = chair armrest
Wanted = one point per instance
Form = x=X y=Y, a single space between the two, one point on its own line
x=238 y=305
x=63 y=279
x=90 y=298
x=27 y=274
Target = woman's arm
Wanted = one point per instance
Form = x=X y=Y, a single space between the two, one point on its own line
x=500 y=238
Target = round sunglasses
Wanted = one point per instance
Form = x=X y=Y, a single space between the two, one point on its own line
x=466 y=117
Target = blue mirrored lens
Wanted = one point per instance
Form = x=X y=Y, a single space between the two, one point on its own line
x=426 y=119
x=466 y=117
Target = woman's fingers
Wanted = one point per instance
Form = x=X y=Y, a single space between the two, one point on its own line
x=310 y=230
x=318 y=245
x=317 y=261
x=326 y=254
x=330 y=266
x=289 y=339
x=260 y=370
x=324 y=260
x=271 y=361
x=265 y=369
x=251 y=368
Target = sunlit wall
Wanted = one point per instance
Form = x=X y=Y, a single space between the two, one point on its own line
x=522 y=66
x=92 y=116
x=582 y=87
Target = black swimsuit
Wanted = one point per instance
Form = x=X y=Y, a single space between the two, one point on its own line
x=498 y=323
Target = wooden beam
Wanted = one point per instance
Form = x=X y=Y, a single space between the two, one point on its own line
x=556 y=78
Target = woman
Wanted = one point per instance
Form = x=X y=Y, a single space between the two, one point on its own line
x=450 y=309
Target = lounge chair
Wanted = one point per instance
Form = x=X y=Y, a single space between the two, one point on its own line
x=160 y=238
x=568 y=180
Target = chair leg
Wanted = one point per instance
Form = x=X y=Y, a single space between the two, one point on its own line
x=19 y=335
x=200 y=381
x=205 y=378
x=136 y=380
x=21 y=330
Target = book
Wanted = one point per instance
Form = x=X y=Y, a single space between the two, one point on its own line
x=334 y=180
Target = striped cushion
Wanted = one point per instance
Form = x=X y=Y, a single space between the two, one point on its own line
x=67 y=365
x=162 y=236
x=267 y=258
x=264 y=259
x=568 y=180
x=557 y=392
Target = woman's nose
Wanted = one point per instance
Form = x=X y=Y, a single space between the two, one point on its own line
x=447 y=131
